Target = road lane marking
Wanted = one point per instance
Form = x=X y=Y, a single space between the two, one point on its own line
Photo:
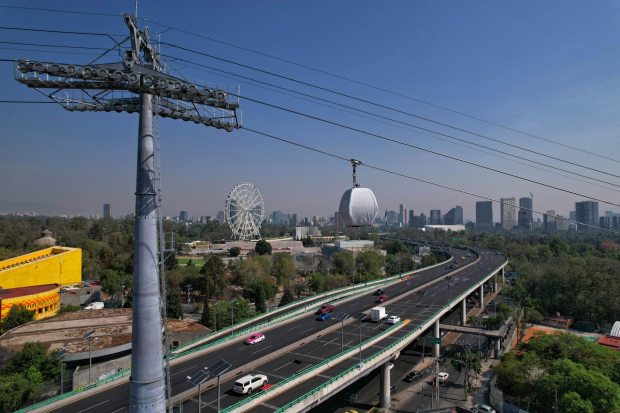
x=93 y=406
x=185 y=369
x=305 y=355
x=293 y=328
x=257 y=351
x=282 y=366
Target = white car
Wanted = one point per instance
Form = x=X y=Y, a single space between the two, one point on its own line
x=443 y=377
x=483 y=408
x=247 y=384
x=393 y=319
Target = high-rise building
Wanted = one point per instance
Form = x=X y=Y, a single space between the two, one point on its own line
x=586 y=212
x=107 y=210
x=405 y=217
x=292 y=220
x=549 y=222
x=392 y=218
x=484 y=215
x=572 y=215
x=183 y=216
x=525 y=215
x=609 y=214
x=410 y=219
x=508 y=213
x=435 y=217
x=278 y=217
x=401 y=217
x=421 y=220
x=220 y=217
x=454 y=216
x=561 y=223
x=605 y=222
x=615 y=222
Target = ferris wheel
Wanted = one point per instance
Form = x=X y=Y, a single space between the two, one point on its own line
x=244 y=211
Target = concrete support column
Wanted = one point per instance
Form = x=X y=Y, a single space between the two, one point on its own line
x=498 y=342
x=494 y=285
x=436 y=347
x=384 y=383
x=503 y=275
x=481 y=292
x=464 y=312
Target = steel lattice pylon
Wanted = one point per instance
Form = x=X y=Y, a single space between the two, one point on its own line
x=244 y=211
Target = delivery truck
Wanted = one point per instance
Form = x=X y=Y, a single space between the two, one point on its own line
x=378 y=314
x=94 y=306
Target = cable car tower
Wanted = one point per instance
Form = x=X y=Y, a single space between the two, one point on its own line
x=139 y=83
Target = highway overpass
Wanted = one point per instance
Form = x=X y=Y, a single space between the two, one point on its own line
x=303 y=357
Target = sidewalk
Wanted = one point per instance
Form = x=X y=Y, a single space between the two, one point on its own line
x=480 y=389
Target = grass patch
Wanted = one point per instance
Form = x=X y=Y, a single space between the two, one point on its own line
x=186 y=260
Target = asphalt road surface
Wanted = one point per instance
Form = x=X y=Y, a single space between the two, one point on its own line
x=116 y=399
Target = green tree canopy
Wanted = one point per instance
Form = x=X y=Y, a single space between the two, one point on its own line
x=18 y=315
x=213 y=275
x=344 y=263
x=263 y=247
x=34 y=355
x=234 y=251
x=287 y=297
x=174 y=307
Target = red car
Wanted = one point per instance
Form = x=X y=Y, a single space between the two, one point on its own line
x=382 y=299
x=486 y=311
x=325 y=308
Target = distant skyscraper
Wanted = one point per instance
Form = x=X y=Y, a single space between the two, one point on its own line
x=401 y=217
x=405 y=217
x=586 y=213
x=421 y=220
x=484 y=215
x=549 y=222
x=572 y=215
x=615 y=222
x=509 y=213
x=220 y=216
x=454 y=216
x=525 y=216
x=435 y=217
x=184 y=216
x=560 y=223
x=278 y=217
x=292 y=220
x=609 y=213
x=605 y=222
x=410 y=219
x=107 y=210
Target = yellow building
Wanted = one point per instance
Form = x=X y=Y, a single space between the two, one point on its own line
x=55 y=265
x=33 y=280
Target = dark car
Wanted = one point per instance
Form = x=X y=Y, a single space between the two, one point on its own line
x=380 y=291
x=382 y=299
x=413 y=376
x=325 y=308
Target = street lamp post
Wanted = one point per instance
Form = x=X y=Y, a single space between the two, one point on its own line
x=305 y=284
x=232 y=311
x=59 y=356
x=216 y=370
x=341 y=317
x=189 y=289
x=197 y=379
x=359 y=317
x=89 y=336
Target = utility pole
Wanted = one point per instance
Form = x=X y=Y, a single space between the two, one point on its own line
x=138 y=83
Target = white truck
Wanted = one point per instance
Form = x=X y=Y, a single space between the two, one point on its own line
x=98 y=305
x=378 y=314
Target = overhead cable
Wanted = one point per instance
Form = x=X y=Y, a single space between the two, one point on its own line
x=348 y=160
x=392 y=120
x=386 y=107
x=421 y=148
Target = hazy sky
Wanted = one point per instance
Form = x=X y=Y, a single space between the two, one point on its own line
x=547 y=68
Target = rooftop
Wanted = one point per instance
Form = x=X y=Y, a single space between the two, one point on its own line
x=20 y=292
x=609 y=342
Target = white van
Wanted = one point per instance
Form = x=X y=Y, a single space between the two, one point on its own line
x=247 y=384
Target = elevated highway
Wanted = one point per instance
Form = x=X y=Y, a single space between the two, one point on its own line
x=297 y=347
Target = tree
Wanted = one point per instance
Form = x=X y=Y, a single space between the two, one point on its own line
x=214 y=275
x=260 y=305
x=396 y=246
x=111 y=282
x=263 y=247
x=34 y=355
x=465 y=362
x=15 y=391
x=234 y=251
x=344 y=263
x=287 y=297
x=284 y=268
x=533 y=315
x=316 y=283
x=206 y=319
x=191 y=263
x=174 y=308
x=18 y=315
x=171 y=262
x=369 y=263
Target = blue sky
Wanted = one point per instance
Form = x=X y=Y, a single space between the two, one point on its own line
x=546 y=68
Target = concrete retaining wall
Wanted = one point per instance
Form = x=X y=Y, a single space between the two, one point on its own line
x=100 y=371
